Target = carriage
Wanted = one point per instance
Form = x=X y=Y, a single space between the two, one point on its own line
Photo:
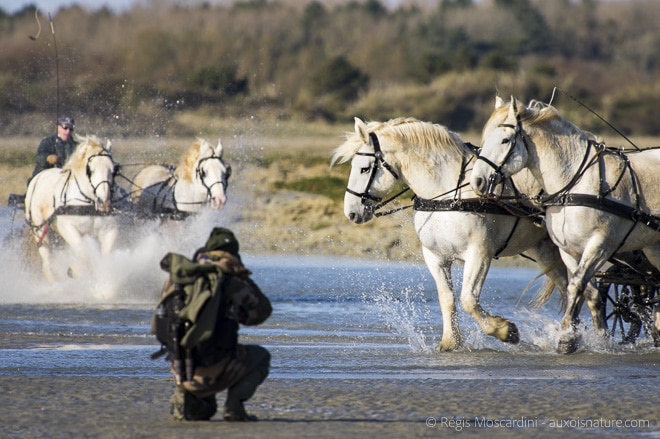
x=630 y=293
x=451 y=223
x=63 y=206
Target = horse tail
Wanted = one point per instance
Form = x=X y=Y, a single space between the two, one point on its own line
x=544 y=294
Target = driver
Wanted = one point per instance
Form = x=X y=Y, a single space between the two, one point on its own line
x=54 y=151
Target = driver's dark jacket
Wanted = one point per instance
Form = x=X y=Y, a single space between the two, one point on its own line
x=53 y=145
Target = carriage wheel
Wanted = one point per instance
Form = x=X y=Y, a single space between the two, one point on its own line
x=628 y=307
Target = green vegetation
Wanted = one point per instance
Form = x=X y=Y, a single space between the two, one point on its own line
x=331 y=187
x=149 y=70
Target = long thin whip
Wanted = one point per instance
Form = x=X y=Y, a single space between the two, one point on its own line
x=595 y=114
x=57 y=67
x=57 y=58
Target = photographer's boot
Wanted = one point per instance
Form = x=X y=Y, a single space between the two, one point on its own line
x=187 y=407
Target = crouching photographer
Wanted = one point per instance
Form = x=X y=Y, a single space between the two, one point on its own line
x=197 y=320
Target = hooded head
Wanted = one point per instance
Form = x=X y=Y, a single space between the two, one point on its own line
x=220 y=239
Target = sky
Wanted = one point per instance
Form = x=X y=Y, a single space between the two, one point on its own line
x=51 y=6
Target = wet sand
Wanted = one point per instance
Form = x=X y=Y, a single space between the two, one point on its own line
x=511 y=407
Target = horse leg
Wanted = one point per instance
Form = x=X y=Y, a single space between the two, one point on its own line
x=108 y=236
x=74 y=240
x=474 y=274
x=44 y=253
x=441 y=272
x=579 y=288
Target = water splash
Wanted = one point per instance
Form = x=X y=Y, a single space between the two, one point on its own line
x=130 y=274
x=407 y=313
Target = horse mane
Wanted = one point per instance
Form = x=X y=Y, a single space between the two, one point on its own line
x=541 y=117
x=88 y=145
x=425 y=136
x=186 y=167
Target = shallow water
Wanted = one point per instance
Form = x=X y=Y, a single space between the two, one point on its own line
x=333 y=317
x=335 y=320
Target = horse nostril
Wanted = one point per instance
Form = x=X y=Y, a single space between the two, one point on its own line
x=478 y=182
x=351 y=216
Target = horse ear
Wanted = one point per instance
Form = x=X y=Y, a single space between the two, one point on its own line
x=499 y=102
x=108 y=145
x=513 y=107
x=361 y=130
x=218 y=149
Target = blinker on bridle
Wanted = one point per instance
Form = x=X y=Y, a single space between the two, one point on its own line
x=378 y=160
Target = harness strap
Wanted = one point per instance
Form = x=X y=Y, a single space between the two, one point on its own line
x=607 y=205
x=474 y=205
x=478 y=205
x=158 y=208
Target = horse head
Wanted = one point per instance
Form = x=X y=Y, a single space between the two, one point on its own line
x=371 y=177
x=504 y=147
x=93 y=159
x=212 y=173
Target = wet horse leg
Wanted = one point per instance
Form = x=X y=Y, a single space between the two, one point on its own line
x=579 y=289
x=45 y=254
x=74 y=239
x=475 y=270
x=441 y=272
x=108 y=233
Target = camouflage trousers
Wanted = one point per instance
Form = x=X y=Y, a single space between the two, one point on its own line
x=241 y=375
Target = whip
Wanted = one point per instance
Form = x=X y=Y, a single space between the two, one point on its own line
x=57 y=58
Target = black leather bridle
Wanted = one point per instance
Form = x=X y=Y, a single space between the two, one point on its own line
x=366 y=198
x=201 y=174
x=518 y=132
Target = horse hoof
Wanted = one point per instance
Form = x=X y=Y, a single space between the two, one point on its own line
x=567 y=346
x=443 y=348
x=513 y=335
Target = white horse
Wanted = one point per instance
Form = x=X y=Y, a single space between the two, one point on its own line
x=75 y=202
x=598 y=201
x=434 y=162
x=199 y=179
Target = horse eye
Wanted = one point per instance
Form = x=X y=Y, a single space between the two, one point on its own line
x=506 y=140
x=364 y=170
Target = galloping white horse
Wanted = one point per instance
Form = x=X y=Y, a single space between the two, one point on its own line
x=434 y=162
x=75 y=202
x=199 y=179
x=598 y=201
